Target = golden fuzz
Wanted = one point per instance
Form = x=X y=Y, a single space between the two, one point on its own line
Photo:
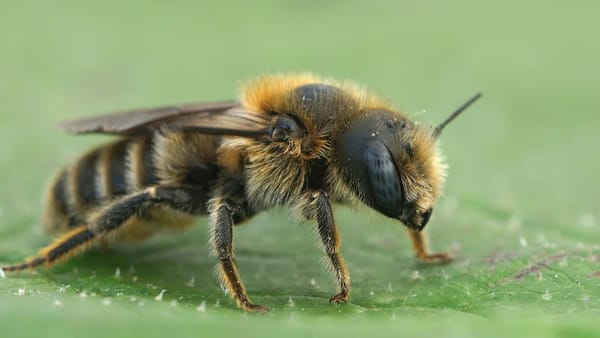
x=271 y=93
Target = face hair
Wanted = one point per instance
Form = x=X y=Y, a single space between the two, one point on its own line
x=438 y=130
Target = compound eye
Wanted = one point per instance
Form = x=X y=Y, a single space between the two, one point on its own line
x=383 y=179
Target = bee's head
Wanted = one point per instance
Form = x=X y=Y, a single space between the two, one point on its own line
x=393 y=165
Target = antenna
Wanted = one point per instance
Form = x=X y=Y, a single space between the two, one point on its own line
x=438 y=130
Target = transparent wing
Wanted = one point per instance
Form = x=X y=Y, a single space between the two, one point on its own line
x=227 y=118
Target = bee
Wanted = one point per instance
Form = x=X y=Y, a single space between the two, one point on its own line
x=294 y=141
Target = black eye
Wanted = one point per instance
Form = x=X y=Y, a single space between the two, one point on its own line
x=383 y=178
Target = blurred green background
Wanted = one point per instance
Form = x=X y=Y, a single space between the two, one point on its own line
x=520 y=211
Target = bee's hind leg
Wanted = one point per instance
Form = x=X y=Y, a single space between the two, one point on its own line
x=70 y=244
x=110 y=218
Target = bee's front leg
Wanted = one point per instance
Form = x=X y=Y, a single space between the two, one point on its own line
x=319 y=208
x=419 y=242
x=222 y=213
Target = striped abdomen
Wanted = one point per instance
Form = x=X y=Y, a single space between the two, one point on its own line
x=97 y=178
x=127 y=166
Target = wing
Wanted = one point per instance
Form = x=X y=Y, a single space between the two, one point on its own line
x=225 y=118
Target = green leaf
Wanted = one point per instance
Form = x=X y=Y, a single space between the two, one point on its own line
x=520 y=213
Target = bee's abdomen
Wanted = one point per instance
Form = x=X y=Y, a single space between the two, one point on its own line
x=96 y=178
x=56 y=214
x=114 y=165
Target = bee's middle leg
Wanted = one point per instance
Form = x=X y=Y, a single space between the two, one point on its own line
x=320 y=208
x=222 y=214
